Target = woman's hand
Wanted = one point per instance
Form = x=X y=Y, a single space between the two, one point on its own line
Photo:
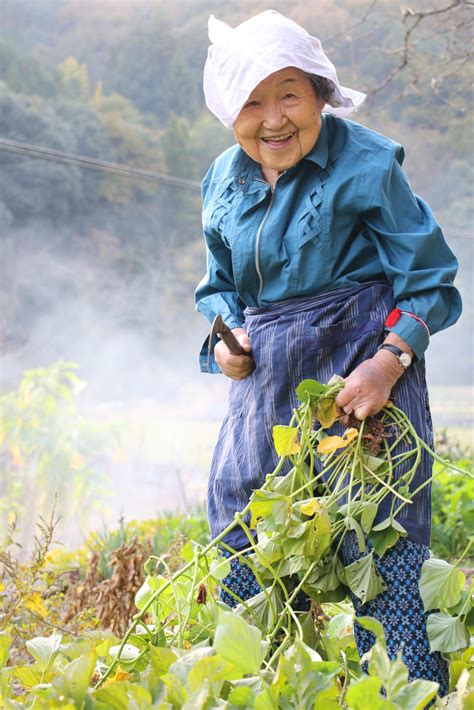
x=235 y=366
x=368 y=387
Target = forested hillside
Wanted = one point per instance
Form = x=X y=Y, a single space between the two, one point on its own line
x=97 y=267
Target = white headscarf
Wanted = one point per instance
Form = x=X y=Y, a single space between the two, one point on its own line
x=240 y=58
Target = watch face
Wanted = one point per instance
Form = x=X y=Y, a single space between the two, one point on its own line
x=405 y=359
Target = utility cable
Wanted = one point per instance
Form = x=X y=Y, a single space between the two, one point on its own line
x=59 y=156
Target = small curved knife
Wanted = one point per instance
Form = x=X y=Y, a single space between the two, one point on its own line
x=224 y=332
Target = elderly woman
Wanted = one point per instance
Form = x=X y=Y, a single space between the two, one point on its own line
x=322 y=261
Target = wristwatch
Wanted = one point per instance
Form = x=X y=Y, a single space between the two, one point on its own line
x=403 y=358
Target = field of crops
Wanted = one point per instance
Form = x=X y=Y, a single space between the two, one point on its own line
x=133 y=618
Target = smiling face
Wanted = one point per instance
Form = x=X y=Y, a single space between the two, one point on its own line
x=281 y=120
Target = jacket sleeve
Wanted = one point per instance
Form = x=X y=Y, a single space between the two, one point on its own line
x=413 y=252
x=216 y=293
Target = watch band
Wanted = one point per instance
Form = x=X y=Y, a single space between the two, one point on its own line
x=403 y=358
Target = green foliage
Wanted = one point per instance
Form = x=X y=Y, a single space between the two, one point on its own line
x=452 y=508
x=48 y=449
x=265 y=638
x=25 y=73
x=442 y=587
x=166 y=534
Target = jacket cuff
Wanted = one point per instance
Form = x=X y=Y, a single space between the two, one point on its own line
x=412 y=332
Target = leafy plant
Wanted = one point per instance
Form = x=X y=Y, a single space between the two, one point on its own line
x=47 y=448
x=186 y=649
x=452 y=507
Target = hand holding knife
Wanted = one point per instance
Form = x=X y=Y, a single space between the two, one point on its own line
x=221 y=329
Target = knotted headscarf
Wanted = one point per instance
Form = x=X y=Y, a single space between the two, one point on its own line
x=240 y=58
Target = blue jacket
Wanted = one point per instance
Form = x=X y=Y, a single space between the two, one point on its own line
x=344 y=215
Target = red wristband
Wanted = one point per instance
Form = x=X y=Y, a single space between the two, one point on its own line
x=395 y=315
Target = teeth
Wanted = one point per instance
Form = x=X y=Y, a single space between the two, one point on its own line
x=279 y=138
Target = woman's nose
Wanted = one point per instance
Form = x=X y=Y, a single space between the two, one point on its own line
x=274 y=116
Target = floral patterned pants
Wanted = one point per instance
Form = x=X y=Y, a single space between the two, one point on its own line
x=399 y=608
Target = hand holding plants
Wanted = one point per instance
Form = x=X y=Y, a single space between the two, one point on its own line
x=367 y=389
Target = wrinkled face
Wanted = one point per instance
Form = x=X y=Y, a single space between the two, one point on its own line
x=281 y=121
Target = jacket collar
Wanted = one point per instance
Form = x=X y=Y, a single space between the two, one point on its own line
x=320 y=152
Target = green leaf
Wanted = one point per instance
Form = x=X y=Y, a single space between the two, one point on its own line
x=239 y=643
x=5 y=643
x=340 y=626
x=267 y=699
x=310 y=635
x=373 y=463
x=286 y=440
x=264 y=503
x=446 y=633
x=185 y=663
x=327 y=577
x=364 y=579
x=241 y=696
x=161 y=659
x=123 y=695
x=373 y=625
x=416 y=695
x=46 y=693
x=220 y=568
x=77 y=677
x=27 y=675
x=44 y=649
x=384 y=535
x=214 y=669
x=367 y=517
x=464 y=606
x=310 y=390
x=379 y=663
x=352 y=524
x=441 y=584
x=365 y=693
x=128 y=654
x=264 y=610
x=198 y=700
x=148 y=588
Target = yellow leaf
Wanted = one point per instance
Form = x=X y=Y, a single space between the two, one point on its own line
x=119 y=676
x=330 y=444
x=310 y=507
x=350 y=434
x=327 y=412
x=34 y=602
x=77 y=461
x=286 y=440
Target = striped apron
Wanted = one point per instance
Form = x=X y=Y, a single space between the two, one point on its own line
x=293 y=340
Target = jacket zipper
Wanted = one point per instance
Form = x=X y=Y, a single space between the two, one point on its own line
x=259 y=232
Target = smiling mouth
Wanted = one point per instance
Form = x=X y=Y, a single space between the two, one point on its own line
x=278 y=141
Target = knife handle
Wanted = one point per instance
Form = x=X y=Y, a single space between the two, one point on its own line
x=232 y=343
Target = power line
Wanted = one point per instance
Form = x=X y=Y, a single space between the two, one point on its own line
x=59 y=156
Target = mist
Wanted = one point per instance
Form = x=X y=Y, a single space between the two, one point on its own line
x=100 y=270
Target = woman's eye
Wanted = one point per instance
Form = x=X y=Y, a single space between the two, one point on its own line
x=289 y=96
x=251 y=104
